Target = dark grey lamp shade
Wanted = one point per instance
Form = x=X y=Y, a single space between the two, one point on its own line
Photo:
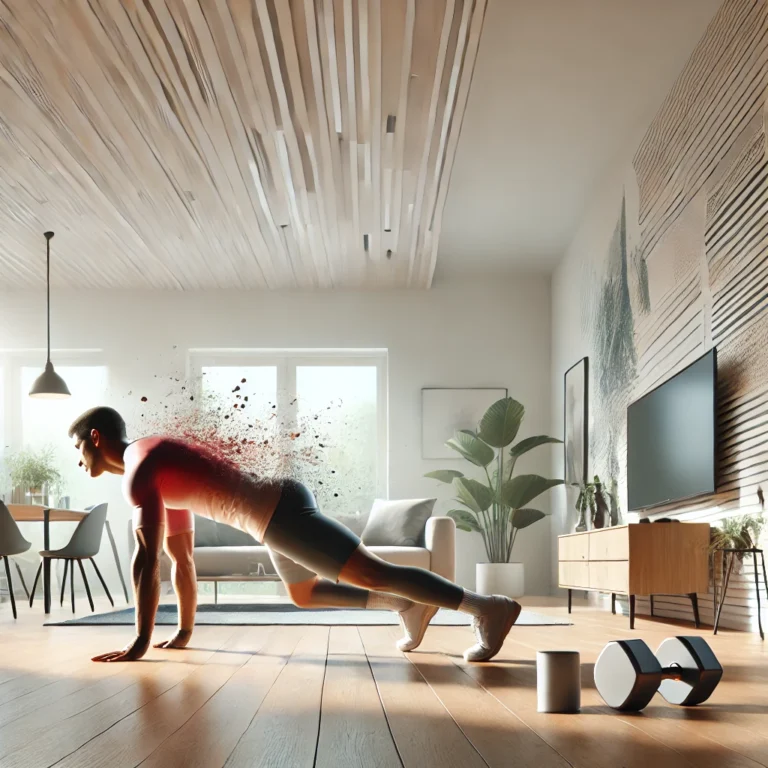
x=49 y=385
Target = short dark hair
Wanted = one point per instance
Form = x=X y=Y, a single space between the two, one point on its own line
x=107 y=421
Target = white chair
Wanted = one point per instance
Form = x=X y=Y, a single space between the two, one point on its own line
x=11 y=543
x=84 y=545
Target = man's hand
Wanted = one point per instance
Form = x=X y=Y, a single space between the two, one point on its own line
x=179 y=640
x=132 y=652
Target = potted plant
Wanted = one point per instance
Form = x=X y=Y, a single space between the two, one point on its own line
x=742 y=532
x=602 y=505
x=496 y=507
x=33 y=473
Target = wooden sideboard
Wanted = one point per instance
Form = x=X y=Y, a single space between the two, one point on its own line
x=637 y=559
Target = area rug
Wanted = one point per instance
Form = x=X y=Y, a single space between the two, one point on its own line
x=272 y=614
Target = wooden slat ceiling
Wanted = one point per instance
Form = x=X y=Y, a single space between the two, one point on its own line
x=194 y=144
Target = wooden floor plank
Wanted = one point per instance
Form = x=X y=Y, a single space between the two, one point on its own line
x=207 y=739
x=135 y=737
x=420 y=724
x=353 y=726
x=55 y=730
x=495 y=732
x=513 y=681
x=250 y=696
x=734 y=731
x=283 y=733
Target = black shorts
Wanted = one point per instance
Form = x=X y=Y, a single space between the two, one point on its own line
x=302 y=541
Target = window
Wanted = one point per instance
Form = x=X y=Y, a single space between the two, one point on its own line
x=38 y=423
x=319 y=416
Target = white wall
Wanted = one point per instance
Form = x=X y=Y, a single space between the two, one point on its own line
x=492 y=332
x=645 y=296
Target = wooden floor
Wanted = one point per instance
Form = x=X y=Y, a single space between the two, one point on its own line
x=343 y=696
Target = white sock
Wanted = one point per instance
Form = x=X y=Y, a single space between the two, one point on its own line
x=475 y=604
x=382 y=600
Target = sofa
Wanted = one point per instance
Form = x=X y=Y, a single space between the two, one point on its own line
x=223 y=553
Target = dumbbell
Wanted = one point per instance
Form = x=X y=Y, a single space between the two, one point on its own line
x=684 y=671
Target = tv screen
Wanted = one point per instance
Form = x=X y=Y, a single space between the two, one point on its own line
x=671 y=438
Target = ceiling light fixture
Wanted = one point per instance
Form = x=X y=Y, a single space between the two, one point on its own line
x=49 y=384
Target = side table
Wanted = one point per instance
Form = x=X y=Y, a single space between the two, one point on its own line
x=733 y=553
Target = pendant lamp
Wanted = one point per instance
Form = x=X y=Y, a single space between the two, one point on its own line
x=49 y=384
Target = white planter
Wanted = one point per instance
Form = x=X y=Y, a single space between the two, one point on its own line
x=500 y=579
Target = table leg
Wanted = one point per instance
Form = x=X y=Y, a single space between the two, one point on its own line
x=651 y=596
x=725 y=589
x=757 y=594
x=117 y=560
x=46 y=561
x=215 y=592
x=631 y=611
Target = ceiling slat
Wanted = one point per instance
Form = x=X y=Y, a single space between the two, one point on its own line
x=258 y=144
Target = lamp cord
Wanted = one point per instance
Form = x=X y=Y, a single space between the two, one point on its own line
x=48 y=236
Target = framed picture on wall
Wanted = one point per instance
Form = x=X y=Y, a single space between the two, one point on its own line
x=576 y=423
x=446 y=410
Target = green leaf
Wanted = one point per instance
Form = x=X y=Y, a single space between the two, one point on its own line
x=444 y=475
x=475 y=495
x=522 y=518
x=530 y=443
x=501 y=421
x=472 y=448
x=465 y=521
x=520 y=490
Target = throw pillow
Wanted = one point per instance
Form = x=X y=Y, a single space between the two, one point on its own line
x=355 y=522
x=398 y=523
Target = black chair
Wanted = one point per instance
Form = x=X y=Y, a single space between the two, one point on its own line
x=84 y=545
x=11 y=543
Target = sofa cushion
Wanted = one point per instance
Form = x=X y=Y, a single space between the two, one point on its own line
x=209 y=533
x=415 y=556
x=206 y=532
x=233 y=537
x=398 y=523
x=231 y=561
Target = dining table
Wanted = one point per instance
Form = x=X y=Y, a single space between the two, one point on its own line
x=36 y=513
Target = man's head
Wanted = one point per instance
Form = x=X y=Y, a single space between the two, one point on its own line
x=99 y=436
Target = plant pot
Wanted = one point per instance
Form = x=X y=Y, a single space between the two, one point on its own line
x=500 y=579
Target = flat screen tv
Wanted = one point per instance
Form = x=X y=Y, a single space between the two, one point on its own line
x=671 y=437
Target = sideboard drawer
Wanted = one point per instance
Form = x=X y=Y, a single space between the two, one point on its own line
x=574 y=575
x=574 y=547
x=609 y=544
x=609 y=576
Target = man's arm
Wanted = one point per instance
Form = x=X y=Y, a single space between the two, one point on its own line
x=146 y=578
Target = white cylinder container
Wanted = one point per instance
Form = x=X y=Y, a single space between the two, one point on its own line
x=558 y=681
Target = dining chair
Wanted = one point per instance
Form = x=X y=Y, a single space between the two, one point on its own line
x=11 y=543
x=84 y=545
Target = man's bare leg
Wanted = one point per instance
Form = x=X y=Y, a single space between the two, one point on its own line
x=180 y=549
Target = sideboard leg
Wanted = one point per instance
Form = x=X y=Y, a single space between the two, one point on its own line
x=631 y=611
x=695 y=604
x=570 y=599
x=613 y=603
